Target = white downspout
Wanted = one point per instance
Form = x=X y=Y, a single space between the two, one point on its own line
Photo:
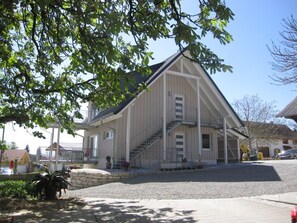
x=198 y=119
x=113 y=146
x=128 y=134
x=225 y=141
x=164 y=118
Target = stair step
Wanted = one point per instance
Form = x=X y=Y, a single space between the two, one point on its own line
x=153 y=138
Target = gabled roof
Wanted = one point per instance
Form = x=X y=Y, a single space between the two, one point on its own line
x=290 y=111
x=12 y=154
x=139 y=78
x=157 y=70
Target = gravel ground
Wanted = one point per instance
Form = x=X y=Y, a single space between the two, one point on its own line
x=244 y=180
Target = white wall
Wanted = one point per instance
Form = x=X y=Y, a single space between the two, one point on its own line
x=22 y=168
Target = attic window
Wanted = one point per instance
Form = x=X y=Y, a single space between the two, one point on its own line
x=108 y=134
x=93 y=111
x=285 y=141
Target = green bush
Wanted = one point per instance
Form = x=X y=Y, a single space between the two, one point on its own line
x=14 y=189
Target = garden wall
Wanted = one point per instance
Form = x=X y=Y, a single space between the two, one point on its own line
x=82 y=178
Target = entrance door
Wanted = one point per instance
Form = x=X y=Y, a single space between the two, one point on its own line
x=180 y=146
x=179 y=107
x=94 y=146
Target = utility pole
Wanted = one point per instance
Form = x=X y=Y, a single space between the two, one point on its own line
x=51 y=146
x=58 y=147
x=58 y=140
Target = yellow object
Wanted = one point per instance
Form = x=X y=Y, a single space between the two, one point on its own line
x=260 y=156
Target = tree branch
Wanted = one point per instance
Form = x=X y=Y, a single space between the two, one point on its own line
x=18 y=118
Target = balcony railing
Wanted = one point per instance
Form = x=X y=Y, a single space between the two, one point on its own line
x=64 y=155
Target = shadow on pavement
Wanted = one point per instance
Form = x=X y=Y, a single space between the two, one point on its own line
x=131 y=211
x=99 y=211
x=245 y=173
x=62 y=210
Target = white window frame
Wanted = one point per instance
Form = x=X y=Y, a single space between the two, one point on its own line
x=209 y=139
x=108 y=134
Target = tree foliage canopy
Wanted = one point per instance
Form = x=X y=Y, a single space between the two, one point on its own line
x=55 y=54
x=285 y=55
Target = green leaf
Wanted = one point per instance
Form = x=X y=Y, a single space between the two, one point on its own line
x=70 y=49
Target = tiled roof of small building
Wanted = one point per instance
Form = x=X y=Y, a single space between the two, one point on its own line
x=280 y=131
x=12 y=154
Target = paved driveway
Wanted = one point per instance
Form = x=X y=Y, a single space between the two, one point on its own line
x=244 y=180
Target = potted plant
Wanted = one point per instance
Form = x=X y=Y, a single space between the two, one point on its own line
x=125 y=165
x=48 y=185
x=108 y=162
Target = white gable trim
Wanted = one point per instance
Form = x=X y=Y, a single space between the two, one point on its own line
x=182 y=74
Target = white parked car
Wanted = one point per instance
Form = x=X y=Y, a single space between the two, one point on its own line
x=5 y=171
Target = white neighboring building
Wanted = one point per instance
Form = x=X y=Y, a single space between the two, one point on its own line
x=282 y=138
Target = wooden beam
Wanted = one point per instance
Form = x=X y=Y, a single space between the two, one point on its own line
x=128 y=132
x=164 y=117
x=182 y=74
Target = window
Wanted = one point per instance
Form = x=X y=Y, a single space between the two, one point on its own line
x=108 y=135
x=285 y=141
x=93 y=112
x=206 y=141
x=94 y=146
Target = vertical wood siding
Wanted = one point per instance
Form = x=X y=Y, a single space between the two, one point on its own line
x=121 y=125
x=147 y=119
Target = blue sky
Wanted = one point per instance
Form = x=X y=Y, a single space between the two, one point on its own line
x=256 y=24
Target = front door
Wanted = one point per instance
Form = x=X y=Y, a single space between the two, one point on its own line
x=179 y=107
x=180 y=146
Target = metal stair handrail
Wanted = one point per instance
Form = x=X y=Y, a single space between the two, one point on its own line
x=153 y=139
